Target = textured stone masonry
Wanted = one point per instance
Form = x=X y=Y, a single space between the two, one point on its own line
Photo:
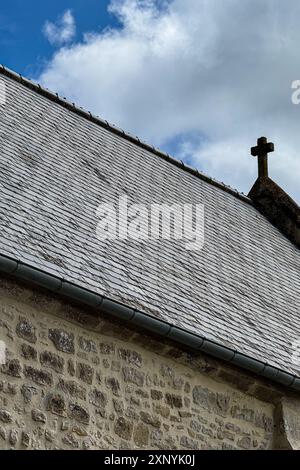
x=65 y=386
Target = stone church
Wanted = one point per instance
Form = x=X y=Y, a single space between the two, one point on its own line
x=134 y=344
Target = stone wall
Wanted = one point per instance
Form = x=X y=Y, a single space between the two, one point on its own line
x=92 y=384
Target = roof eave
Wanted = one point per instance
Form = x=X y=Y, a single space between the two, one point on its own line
x=99 y=303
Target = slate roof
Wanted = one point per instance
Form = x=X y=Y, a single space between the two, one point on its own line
x=56 y=166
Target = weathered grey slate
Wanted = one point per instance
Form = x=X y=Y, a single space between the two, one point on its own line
x=242 y=290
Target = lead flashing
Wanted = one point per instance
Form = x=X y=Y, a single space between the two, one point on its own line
x=8 y=265
x=45 y=280
x=151 y=324
x=80 y=294
x=186 y=338
x=248 y=363
x=122 y=312
x=217 y=350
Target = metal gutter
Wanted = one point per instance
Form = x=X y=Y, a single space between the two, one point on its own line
x=132 y=316
x=125 y=135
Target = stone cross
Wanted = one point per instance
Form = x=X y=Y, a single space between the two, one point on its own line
x=261 y=151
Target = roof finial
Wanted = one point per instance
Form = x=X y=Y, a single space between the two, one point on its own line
x=261 y=151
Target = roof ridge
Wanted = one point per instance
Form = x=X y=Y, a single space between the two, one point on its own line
x=120 y=132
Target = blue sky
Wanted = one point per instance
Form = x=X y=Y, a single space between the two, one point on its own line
x=200 y=79
x=24 y=47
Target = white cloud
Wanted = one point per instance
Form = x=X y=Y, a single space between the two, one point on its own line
x=62 y=31
x=220 y=69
